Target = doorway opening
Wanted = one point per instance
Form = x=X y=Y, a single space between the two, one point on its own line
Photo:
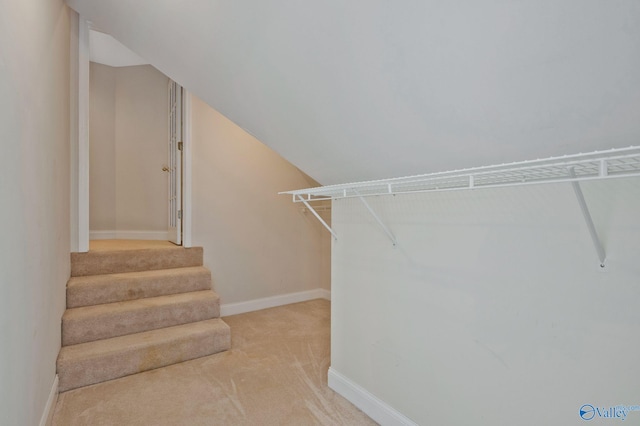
x=132 y=165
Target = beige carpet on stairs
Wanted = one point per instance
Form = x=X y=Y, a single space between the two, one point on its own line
x=133 y=306
x=274 y=374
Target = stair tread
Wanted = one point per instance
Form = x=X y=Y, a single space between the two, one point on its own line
x=132 y=305
x=93 y=290
x=90 y=323
x=131 y=342
x=99 y=262
x=134 y=249
x=102 y=360
x=87 y=280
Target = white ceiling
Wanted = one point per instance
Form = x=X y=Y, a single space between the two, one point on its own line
x=109 y=51
x=354 y=90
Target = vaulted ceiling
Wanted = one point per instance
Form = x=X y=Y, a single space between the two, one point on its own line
x=350 y=90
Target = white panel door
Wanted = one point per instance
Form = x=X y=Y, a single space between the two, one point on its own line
x=175 y=163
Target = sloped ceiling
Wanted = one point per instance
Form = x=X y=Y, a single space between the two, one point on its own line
x=107 y=50
x=351 y=90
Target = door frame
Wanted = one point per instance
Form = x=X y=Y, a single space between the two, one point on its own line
x=79 y=139
x=186 y=167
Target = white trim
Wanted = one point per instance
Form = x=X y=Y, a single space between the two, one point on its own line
x=186 y=170
x=324 y=294
x=375 y=408
x=80 y=139
x=273 y=301
x=49 y=408
x=73 y=127
x=129 y=235
x=83 y=136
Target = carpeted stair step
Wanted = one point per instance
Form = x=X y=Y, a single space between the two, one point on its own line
x=97 y=289
x=90 y=323
x=94 y=362
x=119 y=261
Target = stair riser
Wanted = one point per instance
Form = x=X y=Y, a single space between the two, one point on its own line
x=112 y=324
x=75 y=374
x=115 y=262
x=88 y=291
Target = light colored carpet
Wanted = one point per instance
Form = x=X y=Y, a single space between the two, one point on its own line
x=116 y=261
x=274 y=374
x=106 y=245
x=98 y=289
x=139 y=315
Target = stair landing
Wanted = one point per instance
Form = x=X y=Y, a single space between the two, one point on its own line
x=107 y=245
x=118 y=256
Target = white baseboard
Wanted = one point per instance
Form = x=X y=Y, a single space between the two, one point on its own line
x=368 y=403
x=47 y=414
x=273 y=301
x=323 y=294
x=129 y=235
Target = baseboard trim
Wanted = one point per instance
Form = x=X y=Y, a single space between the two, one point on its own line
x=273 y=301
x=368 y=403
x=129 y=235
x=324 y=294
x=47 y=414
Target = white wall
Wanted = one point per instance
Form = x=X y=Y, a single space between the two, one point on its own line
x=128 y=138
x=492 y=309
x=141 y=148
x=256 y=243
x=34 y=202
x=102 y=148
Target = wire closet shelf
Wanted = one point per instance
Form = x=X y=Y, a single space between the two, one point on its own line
x=614 y=163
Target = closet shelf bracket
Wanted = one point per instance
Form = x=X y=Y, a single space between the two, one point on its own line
x=315 y=213
x=598 y=165
x=587 y=217
x=377 y=218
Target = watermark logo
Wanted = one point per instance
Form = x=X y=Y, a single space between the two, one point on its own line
x=587 y=412
x=620 y=412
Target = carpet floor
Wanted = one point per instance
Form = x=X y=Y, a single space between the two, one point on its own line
x=106 y=245
x=274 y=374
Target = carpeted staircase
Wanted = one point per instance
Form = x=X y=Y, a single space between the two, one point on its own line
x=132 y=310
